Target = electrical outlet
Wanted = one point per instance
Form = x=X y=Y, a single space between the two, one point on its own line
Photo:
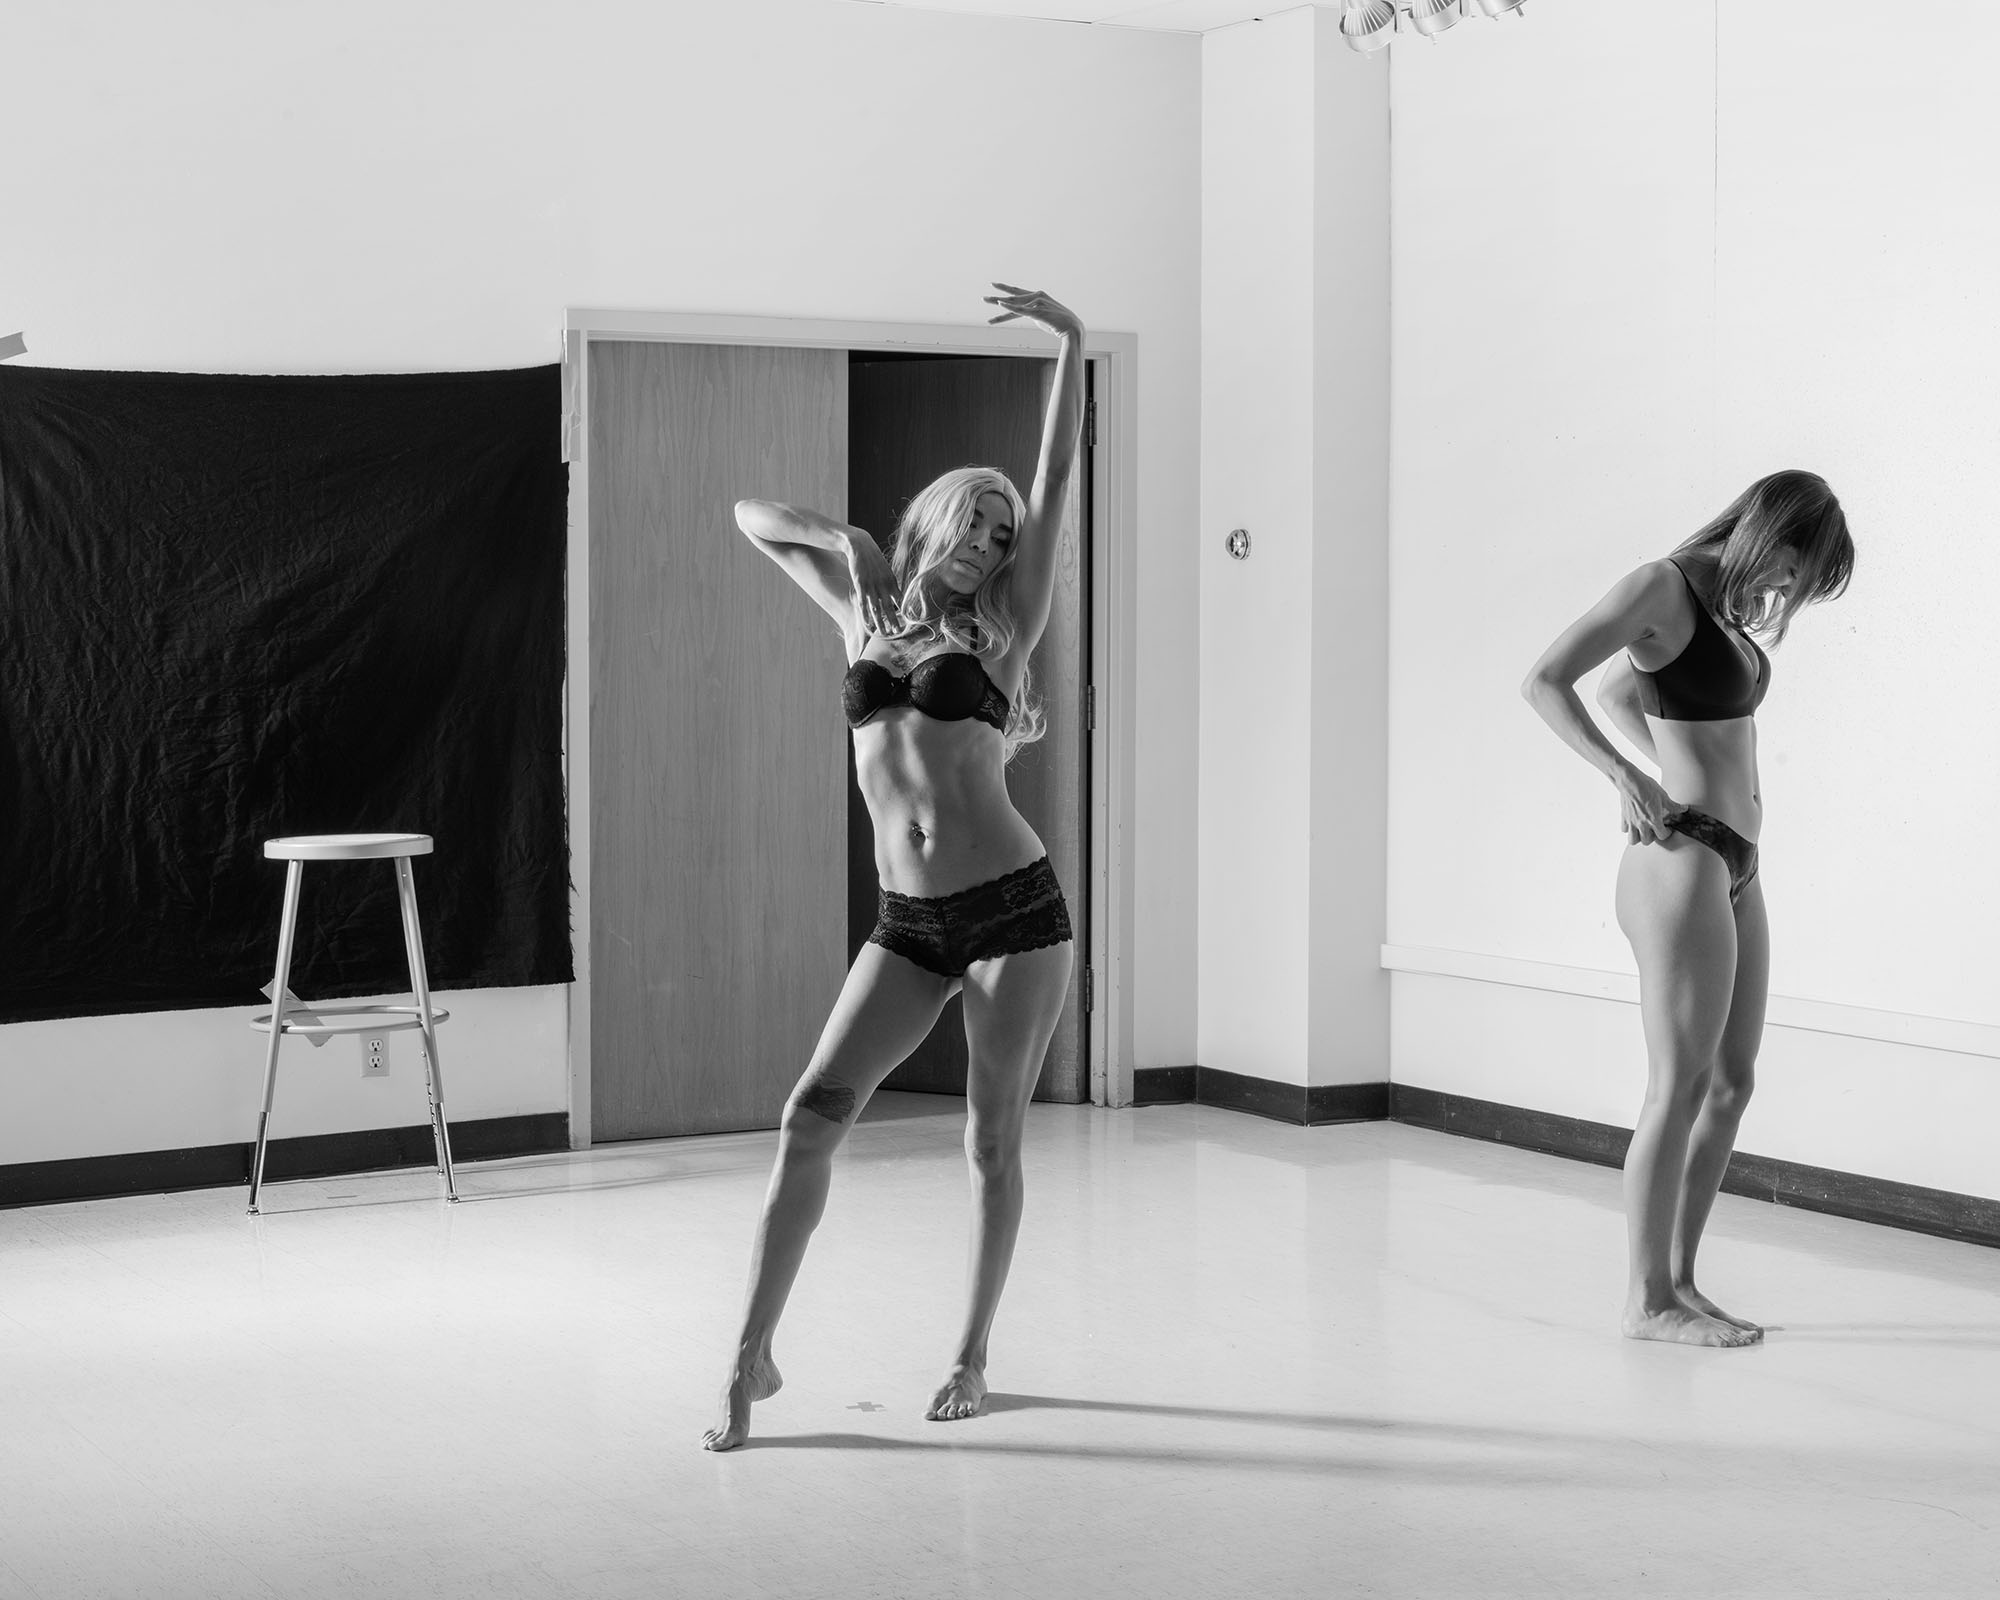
x=374 y=1055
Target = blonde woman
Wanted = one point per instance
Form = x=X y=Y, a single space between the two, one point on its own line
x=1685 y=692
x=938 y=641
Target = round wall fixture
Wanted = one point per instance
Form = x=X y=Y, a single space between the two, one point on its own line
x=1238 y=543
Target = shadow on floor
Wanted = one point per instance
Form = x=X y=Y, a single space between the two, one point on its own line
x=1510 y=1460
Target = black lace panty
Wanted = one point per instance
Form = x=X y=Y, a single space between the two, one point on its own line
x=1738 y=854
x=1022 y=910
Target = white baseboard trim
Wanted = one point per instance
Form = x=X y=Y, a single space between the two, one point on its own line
x=1786 y=1011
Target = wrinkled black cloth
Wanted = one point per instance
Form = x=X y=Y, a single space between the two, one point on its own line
x=233 y=608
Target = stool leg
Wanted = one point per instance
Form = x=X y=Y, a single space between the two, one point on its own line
x=287 y=921
x=413 y=942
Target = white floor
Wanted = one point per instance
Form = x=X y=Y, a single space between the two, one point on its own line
x=1236 y=1358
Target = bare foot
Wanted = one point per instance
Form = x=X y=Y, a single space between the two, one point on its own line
x=758 y=1379
x=961 y=1395
x=1695 y=1300
x=1679 y=1324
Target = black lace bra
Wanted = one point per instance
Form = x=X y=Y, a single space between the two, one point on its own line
x=950 y=686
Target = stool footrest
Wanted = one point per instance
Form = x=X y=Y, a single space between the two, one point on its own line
x=350 y=1019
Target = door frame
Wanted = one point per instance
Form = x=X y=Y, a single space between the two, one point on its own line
x=1113 y=489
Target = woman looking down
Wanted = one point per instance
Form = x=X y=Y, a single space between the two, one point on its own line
x=1685 y=691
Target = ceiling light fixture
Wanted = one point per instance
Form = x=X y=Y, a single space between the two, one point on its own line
x=1369 y=25
x=1432 y=17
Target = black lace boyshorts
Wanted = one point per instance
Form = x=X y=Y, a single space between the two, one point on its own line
x=1022 y=910
x=1738 y=854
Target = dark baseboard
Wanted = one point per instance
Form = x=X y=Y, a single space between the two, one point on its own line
x=1283 y=1102
x=1234 y=1091
x=1347 y=1102
x=1949 y=1215
x=1162 y=1086
x=1511 y=1125
x=1966 y=1217
x=1970 y=1218
x=319 y=1155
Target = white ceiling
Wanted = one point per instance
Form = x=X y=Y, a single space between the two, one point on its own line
x=1172 y=16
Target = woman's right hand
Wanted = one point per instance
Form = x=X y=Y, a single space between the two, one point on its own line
x=1645 y=807
x=875 y=597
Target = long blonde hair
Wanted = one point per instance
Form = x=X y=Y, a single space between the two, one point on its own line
x=929 y=530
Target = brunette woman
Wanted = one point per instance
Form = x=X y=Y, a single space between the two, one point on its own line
x=1685 y=691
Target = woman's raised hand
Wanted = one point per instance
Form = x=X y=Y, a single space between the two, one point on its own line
x=1031 y=305
x=1645 y=807
x=876 y=601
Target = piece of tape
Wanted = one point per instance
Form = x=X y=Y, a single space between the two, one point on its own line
x=294 y=1010
x=12 y=344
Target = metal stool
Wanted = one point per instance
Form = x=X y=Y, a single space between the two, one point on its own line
x=317 y=1022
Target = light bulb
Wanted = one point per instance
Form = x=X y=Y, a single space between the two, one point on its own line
x=1366 y=25
x=1432 y=17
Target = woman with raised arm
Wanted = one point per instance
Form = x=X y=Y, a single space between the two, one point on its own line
x=1685 y=692
x=938 y=640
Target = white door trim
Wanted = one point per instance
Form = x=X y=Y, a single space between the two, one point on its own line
x=1113 y=633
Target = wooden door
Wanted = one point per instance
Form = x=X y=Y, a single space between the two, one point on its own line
x=717 y=800
x=909 y=419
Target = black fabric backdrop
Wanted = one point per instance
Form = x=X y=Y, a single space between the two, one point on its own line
x=238 y=607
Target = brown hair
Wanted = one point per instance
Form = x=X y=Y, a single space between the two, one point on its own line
x=1788 y=511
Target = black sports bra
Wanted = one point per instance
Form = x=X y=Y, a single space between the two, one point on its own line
x=950 y=686
x=1709 y=681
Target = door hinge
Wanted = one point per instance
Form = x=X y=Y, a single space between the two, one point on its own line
x=1089 y=706
x=1089 y=988
x=1090 y=423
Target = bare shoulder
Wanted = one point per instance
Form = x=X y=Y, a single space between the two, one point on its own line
x=1637 y=610
x=1661 y=577
x=1657 y=600
x=1654 y=594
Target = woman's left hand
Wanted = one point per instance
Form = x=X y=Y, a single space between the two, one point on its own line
x=1031 y=305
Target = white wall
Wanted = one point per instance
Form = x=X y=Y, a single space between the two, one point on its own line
x=1638 y=263
x=223 y=185
x=1348 y=1025
x=1294 y=443
x=1257 y=89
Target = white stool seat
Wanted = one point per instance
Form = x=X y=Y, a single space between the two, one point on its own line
x=347 y=846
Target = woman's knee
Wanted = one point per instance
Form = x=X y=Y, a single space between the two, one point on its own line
x=819 y=1112
x=993 y=1147
x=1679 y=1088
x=1735 y=1080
